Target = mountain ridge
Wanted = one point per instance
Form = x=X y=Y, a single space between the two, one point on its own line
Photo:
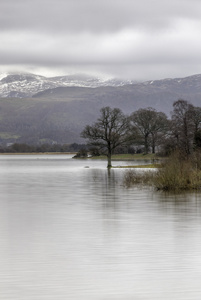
x=26 y=84
x=22 y=85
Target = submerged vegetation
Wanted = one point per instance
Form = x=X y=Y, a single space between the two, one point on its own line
x=177 y=173
x=134 y=177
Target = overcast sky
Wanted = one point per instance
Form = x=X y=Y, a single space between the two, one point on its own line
x=132 y=39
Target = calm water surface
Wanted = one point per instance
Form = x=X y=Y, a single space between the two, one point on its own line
x=69 y=230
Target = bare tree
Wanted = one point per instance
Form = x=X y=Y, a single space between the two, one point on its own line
x=159 y=127
x=141 y=121
x=149 y=124
x=182 y=122
x=196 y=118
x=109 y=132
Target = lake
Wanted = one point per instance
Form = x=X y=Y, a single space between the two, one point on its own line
x=70 y=230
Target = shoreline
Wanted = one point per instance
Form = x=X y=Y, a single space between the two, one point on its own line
x=40 y=153
x=128 y=157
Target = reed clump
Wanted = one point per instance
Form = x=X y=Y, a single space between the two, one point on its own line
x=135 y=177
x=176 y=174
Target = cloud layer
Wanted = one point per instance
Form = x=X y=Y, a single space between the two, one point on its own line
x=140 y=40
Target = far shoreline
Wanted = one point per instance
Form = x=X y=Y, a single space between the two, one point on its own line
x=116 y=157
x=40 y=153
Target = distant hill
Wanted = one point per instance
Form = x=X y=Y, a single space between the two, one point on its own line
x=58 y=114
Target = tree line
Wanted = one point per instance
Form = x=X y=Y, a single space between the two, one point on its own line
x=27 y=148
x=146 y=128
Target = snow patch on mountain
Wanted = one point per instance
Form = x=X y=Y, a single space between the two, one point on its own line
x=26 y=85
x=3 y=75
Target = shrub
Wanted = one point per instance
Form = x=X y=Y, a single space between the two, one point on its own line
x=176 y=174
x=82 y=153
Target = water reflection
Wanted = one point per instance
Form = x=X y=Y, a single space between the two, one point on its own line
x=70 y=232
x=187 y=203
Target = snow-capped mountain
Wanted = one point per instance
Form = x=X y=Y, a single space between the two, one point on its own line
x=26 y=85
x=190 y=84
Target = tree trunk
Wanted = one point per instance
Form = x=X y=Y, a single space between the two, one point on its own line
x=153 y=148
x=146 y=145
x=153 y=143
x=109 y=160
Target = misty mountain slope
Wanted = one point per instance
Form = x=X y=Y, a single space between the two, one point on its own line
x=25 y=120
x=157 y=94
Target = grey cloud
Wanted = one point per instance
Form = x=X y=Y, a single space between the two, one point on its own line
x=120 y=48
x=94 y=16
x=123 y=38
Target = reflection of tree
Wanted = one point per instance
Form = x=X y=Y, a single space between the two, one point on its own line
x=182 y=205
x=104 y=187
x=111 y=183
